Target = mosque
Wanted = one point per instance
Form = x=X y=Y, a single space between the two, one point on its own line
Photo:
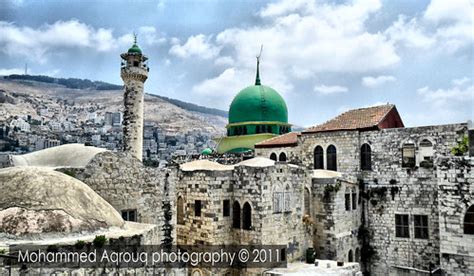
x=257 y=113
x=360 y=193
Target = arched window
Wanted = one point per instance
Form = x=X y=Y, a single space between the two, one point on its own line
x=357 y=255
x=331 y=156
x=257 y=129
x=307 y=204
x=318 y=158
x=269 y=129
x=273 y=156
x=247 y=217
x=365 y=158
x=180 y=210
x=350 y=257
x=469 y=221
x=236 y=215
x=282 y=157
x=426 y=153
x=408 y=155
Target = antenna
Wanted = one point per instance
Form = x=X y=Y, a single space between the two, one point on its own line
x=134 y=38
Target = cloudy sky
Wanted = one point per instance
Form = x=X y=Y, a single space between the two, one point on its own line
x=324 y=57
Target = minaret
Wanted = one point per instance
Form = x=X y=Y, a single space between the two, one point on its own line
x=134 y=72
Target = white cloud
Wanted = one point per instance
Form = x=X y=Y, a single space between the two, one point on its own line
x=452 y=10
x=328 y=90
x=196 y=46
x=445 y=26
x=410 y=33
x=11 y=71
x=458 y=94
x=377 y=81
x=461 y=81
x=304 y=38
x=38 y=44
x=225 y=60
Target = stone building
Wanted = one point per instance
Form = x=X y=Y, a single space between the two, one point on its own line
x=413 y=196
x=361 y=188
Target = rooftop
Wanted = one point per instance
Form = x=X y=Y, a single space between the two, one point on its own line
x=285 y=140
x=361 y=119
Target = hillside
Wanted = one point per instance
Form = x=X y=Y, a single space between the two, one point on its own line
x=27 y=97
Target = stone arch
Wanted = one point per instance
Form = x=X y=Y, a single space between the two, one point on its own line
x=236 y=215
x=273 y=156
x=469 y=221
x=350 y=257
x=282 y=157
x=365 y=157
x=318 y=156
x=247 y=216
x=331 y=158
x=180 y=210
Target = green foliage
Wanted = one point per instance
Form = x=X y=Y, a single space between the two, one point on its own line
x=79 y=244
x=328 y=189
x=462 y=147
x=3 y=251
x=99 y=241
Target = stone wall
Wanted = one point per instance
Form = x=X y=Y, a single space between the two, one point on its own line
x=456 y=195
x=244 y=184
x=293 y=154
x=335 y=229
x=126 y=184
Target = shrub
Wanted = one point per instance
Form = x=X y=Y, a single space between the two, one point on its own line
x=99 y=241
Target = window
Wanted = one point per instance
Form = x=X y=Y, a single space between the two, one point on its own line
x=354 y=201
x=318 y=158
x=287 y=202
x=307 y=204
x=401 y=226
x=282 y=157
x=365 y=158
x=350 y=257
x=348 y=202
x=258 y=129
x=283 y=254
x=236 y=215
x=426 y=153
x=180 y=210
x=197 y=208
x=269 y=129
x=247 y=217
x=357 y=255
x=129 y=215
x=273 y=156
x=408 y=155
x=278 y=202
x=331 y=158
x=469 y=221
x=421 y=226
x=226 y=208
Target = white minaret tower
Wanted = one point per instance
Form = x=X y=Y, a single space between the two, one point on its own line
x=134 y=72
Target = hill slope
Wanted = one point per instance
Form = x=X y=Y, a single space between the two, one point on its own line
x=28 y=97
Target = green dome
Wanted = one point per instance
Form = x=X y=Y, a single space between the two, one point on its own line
x=258 y=103
x=135 y=49
x=206 y=151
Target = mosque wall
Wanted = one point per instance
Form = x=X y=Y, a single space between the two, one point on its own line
x=456 y=195
x=129 y=186
x=336 y=218
x=264 y=189
x=292 y=154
